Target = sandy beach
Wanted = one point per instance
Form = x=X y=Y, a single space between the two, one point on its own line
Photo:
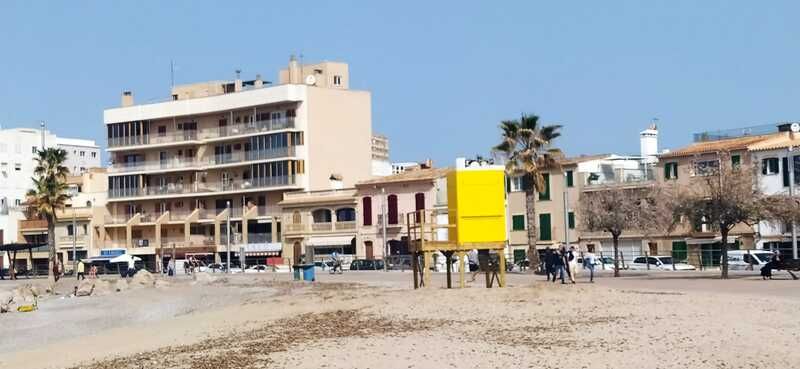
x=376 y=320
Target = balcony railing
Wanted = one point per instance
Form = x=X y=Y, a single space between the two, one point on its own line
x=152 y=139
x=174 y=163
x=180 y=189
x=117 y=219
x=208 y=133
x=343 y=226
x=259 y=237
x=245 y=156
x=294 y=227
x=32 y=224
x=68 y=239
x=248 y=128
x=321 y=227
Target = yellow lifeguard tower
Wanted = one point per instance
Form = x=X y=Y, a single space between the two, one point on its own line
x=475 y=219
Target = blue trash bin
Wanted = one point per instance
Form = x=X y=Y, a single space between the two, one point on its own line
x=308 y=272
x=296 y=269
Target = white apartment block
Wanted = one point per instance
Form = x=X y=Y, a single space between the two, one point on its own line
x=177 y=165
x=18 y=147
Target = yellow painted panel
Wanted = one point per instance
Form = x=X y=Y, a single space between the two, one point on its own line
x=477 y=202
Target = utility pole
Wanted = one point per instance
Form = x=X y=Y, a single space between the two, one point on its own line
x=383 y=230
x=228 y=240
x=790 y=159
x=74 y=242
x=566 y=211
x=41 y=125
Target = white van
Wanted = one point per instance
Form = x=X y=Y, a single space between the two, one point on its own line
x=741 y=259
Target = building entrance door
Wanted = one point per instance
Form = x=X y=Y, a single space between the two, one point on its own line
x=368 y=250
x=296 y=253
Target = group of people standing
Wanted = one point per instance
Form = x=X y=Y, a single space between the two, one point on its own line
x=563 y=263
x=82 y=270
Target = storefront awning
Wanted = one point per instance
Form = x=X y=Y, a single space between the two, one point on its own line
x=330 y=241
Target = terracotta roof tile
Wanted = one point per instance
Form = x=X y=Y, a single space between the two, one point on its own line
x=739 y=143
x=407 y=176
x=780 y=141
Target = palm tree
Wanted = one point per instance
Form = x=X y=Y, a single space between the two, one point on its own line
x=49 y=195
x=525 y=146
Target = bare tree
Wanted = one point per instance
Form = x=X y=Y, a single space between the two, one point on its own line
x=721 y=196
x=621 y=208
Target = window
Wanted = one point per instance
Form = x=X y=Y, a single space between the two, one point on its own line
x=545 y=194
x=706 y=167
x=769 y=166
x=392 y=200
x=366 y=203
x=671 y=170
x=571 y=220
x=570 y=179
x=514 y=184
x=70 y=230
x=419 y=201
x=83 y=153
x=518 y=222
x=544 y=227
x=17 y=167
x=94 y=154
x=337 y=80
x=736 y=161
x=785 y=171
x=34 y=150
x=162 y=131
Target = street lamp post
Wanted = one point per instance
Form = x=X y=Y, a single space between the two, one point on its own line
x=383 y=231
x=790 y=159
x=228 y=239
x=74 y=242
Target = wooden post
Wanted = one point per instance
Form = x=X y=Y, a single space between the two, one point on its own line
x=426 y=271
x=415 y=267
x=461 y=261
x=448 y=257
x=501 y=257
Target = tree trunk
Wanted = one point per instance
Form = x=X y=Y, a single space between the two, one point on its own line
x=615 y=238
x=530 y=213
x=51 y=248
x=724 y=257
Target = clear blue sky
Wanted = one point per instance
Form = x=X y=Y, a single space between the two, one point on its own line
x=442 y=74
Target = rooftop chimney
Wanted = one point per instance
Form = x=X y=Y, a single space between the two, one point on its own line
x=237 y=84
x=127 y=98
x=648 y=144
x=259 y=82
x=294 y=71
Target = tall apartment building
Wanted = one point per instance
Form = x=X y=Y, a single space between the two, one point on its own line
x=18 y=147
x=176 y=165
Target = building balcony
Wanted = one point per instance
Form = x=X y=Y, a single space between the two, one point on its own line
x=345 y=226
x=66 y=214
x=295 y=228
x=207 y=134
x=80 y=239
x=209 y=188
x=254 y=155
x=117 y=219
x=33 y=225
x=242 y=129
x=143 y=166
x=154 y=139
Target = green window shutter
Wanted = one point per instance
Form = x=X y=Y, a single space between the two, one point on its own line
x=675 y=170
x=545 y=195
x=736 y=160
x=518 y=223
x=570 y=180
x=667 y=167
x=544 y=227
x=785 y=170
x=679 y=251
x=571 y=220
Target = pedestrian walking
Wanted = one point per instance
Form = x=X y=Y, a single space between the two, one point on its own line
x=81 y=270
x=559 y=265
x=93 y=272
x=549 y=265
x=571 y=263
x=588 y=263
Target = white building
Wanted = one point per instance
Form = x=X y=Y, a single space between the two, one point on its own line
x=18 y=147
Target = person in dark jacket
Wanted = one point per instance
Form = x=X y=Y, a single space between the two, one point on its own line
x=549 y=267
x=558 y=261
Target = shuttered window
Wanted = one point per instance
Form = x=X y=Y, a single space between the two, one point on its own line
x=367 y=210
x=545 y=233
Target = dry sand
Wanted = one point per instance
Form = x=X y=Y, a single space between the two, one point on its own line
x=374 y=320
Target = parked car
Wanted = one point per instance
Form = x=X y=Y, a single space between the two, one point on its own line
x=216 y=267
x=258 y=268
x=658 y=263
x=742 y=259
x=365 y=264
